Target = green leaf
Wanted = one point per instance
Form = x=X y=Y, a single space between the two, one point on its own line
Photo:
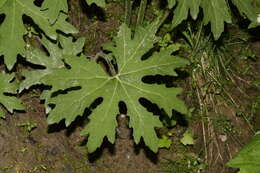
x=61 y=25
x=2 y=113
x=55 y=60
x=165 y=142
x=187 y=139
x=126 y=86
x=246 y=8
x=2 y=2
x=54 y=8
x=248 y=159
x=171 y=3
x=12 y=29
x=9 y=86
x=217 y=13
x=100 y=3
x=182 y=10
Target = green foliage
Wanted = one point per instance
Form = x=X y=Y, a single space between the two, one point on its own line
x=185 y=163
x=248 y=159
x=53 y=61
x=8 y=86
x=171 y=3
x=100 y=3
x=12 y=29
x=29 y=126
x=54 y=8
x=125 y=86
x=182 y=10
x=187 y=139
x=165 y=142
x=77 y=82
x=246 y=9
x=214 y=12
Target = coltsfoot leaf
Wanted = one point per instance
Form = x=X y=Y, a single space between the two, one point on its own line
x=126 y=86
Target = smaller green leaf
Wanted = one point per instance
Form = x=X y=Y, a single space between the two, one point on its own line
x=164 y=142
x=100 y=3
x=187 y=139
x=7 y=85
x=248 y=159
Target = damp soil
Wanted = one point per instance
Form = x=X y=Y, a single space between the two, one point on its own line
x=29 y=145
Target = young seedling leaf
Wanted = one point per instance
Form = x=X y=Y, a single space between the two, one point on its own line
x=165 y=142
x=187 y=139
x=8 y=86
x=248 y=159
x=12 y=29
x=126 y=86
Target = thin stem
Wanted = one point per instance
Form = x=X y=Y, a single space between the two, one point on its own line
x=141 y=12
x=128 y=11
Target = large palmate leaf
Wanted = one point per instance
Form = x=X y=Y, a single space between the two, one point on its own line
x=54 y=8
x=182 y=10
x=247 y=8
x=53 y=61
x=12 y=29
x=100 y=3
x=126 y=86
x=216 y=13
x=248 y=159
x=8 y=87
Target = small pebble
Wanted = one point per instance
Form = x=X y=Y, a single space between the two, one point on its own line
x=223 y=138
